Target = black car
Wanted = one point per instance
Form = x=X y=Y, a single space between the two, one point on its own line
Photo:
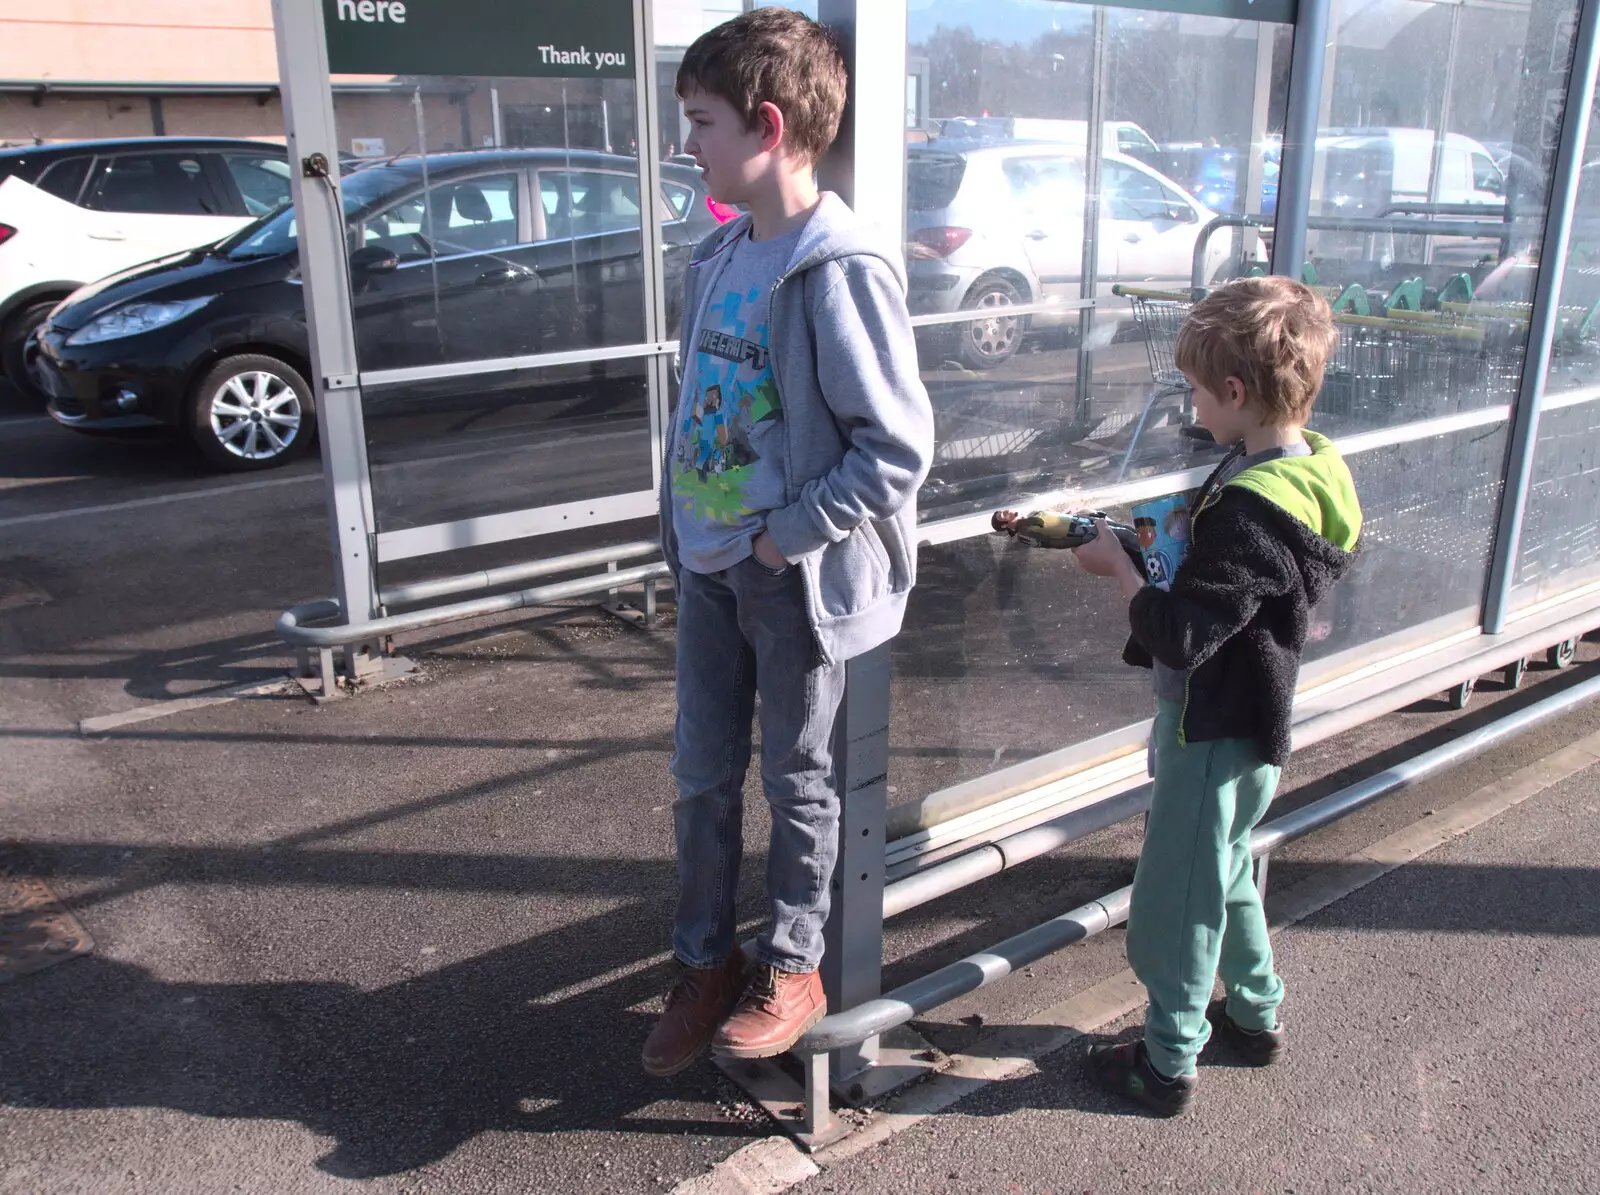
x=454 y=258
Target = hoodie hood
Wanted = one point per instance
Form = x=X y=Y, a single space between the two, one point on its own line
x=833 y=231
x=1316 y=491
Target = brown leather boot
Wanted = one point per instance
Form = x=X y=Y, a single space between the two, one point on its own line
x=775 y=1010
x=696 y=1004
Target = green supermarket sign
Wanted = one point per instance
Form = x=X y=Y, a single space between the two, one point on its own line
x=509 y=38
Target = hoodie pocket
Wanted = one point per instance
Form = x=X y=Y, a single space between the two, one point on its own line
x=901 y=554
x=853 y=573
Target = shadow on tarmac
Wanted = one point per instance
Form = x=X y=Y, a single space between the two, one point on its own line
x=397 y=1077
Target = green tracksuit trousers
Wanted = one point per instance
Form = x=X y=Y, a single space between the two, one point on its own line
x=1195 y=912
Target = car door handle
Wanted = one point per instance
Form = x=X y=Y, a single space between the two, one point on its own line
x=1038 y=234
x=109 y=235
x=1133 y=238
x=505 y=275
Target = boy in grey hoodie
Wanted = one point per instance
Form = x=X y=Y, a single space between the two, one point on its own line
x=788 y=512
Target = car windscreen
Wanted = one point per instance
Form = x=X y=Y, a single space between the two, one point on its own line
x=932 y=180
x=277 y=231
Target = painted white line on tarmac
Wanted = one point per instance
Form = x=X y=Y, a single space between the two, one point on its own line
x=1014 y=1052
x=163 y=709
x=48 y=516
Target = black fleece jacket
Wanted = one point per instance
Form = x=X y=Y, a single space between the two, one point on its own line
x=1236 y=616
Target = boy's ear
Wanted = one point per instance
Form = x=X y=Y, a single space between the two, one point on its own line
x=769 y=123
x=1236 y=392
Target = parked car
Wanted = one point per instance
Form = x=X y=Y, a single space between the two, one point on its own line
x=503 y=253
x=73 y=213
x=1000 y=225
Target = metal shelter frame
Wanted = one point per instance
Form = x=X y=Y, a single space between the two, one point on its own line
x=891 y=860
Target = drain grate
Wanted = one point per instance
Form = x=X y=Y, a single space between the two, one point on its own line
x=36 y=931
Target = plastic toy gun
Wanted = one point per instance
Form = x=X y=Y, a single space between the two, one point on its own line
x=1048 y=529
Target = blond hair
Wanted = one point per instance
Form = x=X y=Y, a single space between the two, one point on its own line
x=1274 y=334
x=776 y=56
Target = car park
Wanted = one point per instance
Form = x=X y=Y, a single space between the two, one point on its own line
x=1000 y=224
x=73 y=213
x=453 y=258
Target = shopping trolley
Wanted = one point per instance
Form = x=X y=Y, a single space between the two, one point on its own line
x=1383 y=364
x=1159 y=314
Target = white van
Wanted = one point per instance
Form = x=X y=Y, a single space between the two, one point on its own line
x=1365 y=171
x=1116 y=136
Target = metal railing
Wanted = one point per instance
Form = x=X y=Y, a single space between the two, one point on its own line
x=292 y=628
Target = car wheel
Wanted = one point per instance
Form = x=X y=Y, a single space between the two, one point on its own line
x=15 y=338
x=252 y=412
x=986 y=342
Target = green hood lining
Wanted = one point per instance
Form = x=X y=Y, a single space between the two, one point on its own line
x=1315 y=490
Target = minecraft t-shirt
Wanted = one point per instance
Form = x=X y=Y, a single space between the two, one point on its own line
x=727 y=456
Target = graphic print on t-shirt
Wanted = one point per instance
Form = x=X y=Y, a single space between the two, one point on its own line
x=733 y=395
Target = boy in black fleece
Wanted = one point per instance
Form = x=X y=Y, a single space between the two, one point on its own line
x=1273 y=528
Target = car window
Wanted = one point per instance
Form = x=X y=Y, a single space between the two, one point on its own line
x=1486 y=175
x=262 y=181
x=1133 y=195
x=678 y=198
x=153 y=184
x=471 y=216
x=1050 y=188
x=64 y=178
x=932 y=180
x=1131 y=141
x=586 y=202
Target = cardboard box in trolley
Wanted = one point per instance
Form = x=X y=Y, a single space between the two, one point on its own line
x=1163 y=530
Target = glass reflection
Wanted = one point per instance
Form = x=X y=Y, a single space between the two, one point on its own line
x=1428 y=191
x=464 y=447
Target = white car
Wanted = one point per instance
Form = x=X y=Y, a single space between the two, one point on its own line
x=72 y=214
x=996 y=225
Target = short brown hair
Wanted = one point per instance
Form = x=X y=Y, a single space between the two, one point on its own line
x=1274 y=334
x=776 y=56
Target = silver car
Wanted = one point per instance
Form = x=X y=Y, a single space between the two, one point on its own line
x=991 y=226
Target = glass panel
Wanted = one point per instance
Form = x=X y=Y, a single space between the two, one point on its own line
x=447 y=450
x=1010 y=652
x=496 y=218
x=1560 y=544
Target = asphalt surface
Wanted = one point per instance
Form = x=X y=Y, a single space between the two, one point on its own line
x=413 y=940
x=1442 y=1025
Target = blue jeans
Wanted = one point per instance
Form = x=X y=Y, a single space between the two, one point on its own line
x=744 y=631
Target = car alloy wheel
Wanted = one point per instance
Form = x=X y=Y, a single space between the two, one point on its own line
x=992 y=338
x=256 y=415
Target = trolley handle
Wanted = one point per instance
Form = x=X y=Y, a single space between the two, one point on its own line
x=1167 y=296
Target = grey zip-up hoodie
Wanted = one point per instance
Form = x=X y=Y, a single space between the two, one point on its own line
x=857 y=426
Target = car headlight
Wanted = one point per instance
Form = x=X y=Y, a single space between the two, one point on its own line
x=133 y=318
